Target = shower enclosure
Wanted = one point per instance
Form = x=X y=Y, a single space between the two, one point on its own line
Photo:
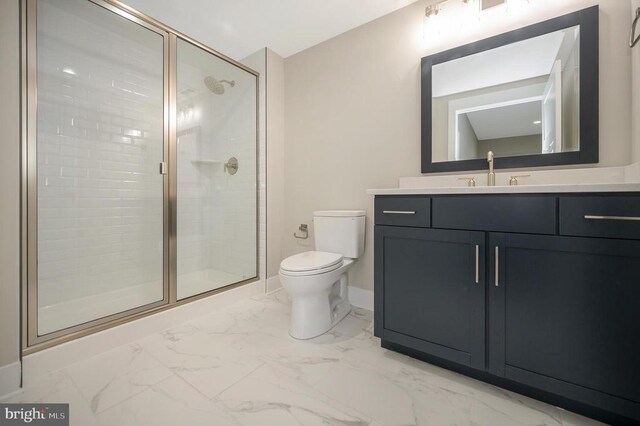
x=139 y=169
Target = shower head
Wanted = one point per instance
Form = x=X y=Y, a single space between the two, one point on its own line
x=216 y=86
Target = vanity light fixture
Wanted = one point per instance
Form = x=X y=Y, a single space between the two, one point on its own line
x=433 y=22
x=471 y=6
x=470 y=13
x=515 y=6
x=432 y=10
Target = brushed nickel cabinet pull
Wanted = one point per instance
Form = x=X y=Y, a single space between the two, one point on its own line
x=477 y=264
x=497 y=266
x=398 y=212
x=622 y=218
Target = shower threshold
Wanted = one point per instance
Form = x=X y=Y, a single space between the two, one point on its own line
x=201 y=281
x=58 y=316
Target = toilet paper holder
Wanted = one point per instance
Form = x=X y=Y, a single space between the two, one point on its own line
x=304 y=228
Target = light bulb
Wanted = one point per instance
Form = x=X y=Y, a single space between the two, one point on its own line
x=470 y=7
x=517 y=6
x=435 y=22
x=470 y=17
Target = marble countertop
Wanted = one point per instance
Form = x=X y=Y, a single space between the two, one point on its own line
x=523 y=189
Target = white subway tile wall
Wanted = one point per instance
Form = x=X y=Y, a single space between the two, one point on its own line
x=99 y=143
x=217 y=211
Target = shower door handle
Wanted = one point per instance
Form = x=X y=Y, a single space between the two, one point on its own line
x=163 y=168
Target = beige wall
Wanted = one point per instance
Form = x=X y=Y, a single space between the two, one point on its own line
x=352 y=107
x=9 y=183
x=275 y=162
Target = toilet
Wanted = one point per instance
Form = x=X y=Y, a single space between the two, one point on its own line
x=317 y=280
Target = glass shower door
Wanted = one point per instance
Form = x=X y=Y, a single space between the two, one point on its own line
x=98 y=195
x=216 y=172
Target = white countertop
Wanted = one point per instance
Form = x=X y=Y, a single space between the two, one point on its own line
x=593 y=179
x=520 y=189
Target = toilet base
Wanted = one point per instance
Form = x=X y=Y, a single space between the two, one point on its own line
x=339 y=316
x=313 y=314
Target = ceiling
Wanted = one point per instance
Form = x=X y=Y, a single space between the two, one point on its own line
x=526 y=59
x=510 y=121
x=238 y=28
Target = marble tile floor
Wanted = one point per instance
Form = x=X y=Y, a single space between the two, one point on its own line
x=240 y=367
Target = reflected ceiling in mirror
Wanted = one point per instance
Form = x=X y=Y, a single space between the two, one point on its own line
x=518 y=99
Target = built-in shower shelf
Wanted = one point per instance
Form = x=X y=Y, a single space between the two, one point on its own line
x=205 y=161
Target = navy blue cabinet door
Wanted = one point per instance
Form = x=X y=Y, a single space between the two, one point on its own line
x=564 y=316
x=430 y=291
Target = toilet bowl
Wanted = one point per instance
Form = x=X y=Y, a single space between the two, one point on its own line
x=317 y=280
x=319 y=295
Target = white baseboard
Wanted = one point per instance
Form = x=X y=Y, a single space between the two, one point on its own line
x=273 y=284
x=57 y=357
x=10 y=380
x=361 y=298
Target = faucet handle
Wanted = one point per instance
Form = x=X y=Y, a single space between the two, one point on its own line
x=471 y=181
x=513 y=181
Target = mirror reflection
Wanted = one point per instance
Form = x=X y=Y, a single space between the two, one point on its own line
x=518 y=99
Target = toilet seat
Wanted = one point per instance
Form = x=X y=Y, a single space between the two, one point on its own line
x=311 y=263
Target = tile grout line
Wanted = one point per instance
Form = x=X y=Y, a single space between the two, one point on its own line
x=215 y=398
x=188 y=382
x=87 y=404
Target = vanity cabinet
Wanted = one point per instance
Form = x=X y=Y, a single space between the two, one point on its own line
x=551 y=310
x=434 y=276
x=564 y=316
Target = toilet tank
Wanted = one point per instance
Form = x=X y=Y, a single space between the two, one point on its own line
x=340 y=231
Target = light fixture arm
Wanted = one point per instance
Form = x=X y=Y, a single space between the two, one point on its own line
x=633 y=39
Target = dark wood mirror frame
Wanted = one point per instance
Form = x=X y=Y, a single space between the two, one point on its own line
x=589 y=84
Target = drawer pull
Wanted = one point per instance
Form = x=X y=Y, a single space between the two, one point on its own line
x=622 y=218
x=477 y=264
x=398 y=212
x=497 y=266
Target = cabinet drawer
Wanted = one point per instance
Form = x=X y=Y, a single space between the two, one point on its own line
x=597 y=216
x=508 y=213
x=403 y=211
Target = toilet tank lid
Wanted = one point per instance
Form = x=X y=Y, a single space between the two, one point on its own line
x=339 y=213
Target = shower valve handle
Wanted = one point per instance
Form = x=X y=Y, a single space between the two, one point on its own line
x=231 y=166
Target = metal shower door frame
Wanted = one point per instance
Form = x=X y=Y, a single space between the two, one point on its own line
x=30 y=340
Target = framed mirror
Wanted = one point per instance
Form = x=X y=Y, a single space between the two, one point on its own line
x=530 y=96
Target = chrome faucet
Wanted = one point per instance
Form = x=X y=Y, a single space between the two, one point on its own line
x=491 y=178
